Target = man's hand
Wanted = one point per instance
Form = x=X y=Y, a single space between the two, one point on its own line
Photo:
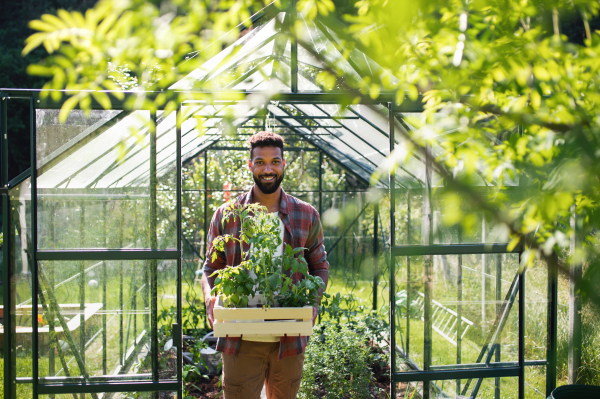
x=315 y=313
x=210 y=306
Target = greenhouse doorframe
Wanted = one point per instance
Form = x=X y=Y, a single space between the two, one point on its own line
x=49 y=386
x=429 y=374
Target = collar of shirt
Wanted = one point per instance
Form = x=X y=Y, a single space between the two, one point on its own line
x=283 y=201
x=284 y=211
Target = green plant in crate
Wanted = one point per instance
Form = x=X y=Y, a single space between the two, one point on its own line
x=261 y=271
x=235 y=285
x=305 y=292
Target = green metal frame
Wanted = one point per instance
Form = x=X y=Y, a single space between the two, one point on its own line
x=460 y=371
x=152 y=254
x=432 y=373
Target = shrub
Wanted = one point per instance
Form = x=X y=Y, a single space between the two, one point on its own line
x=337 y=365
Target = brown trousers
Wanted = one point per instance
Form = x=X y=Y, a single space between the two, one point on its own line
x=256 y=365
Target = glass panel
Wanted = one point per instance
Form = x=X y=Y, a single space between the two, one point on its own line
x=228 y=170
x=301 y=171
x=20 y=284
x=375 y=114
x=348 y=240
x=96 y=318
x=535 y=382
x=445 y=215
x=336 y=178
x=217 y=198
x=95 y=186
x=320 y=44
x=369 y=141
x=25 y=390
x=54 y=137
x=18 y=136
x=193 y=173
x=194 y=247
x=257 y=42
x=410 y=329
x=307 y=73
x=486 y=388
x=536 y=311
x=478 y=290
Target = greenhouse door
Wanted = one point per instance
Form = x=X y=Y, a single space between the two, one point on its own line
x=98 y=244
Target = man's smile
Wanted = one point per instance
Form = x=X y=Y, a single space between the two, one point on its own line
x=268 y=178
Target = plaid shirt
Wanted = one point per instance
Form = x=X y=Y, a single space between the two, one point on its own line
x=302 y=229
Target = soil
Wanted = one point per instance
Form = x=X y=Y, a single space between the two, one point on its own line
x=205 y=388
x=382 y=374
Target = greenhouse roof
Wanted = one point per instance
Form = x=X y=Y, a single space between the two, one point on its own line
x=260 y=61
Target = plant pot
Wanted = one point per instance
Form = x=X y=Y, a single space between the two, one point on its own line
x=575 y=392
x=248 y=322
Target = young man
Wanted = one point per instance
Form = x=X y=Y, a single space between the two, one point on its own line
x=276 y=363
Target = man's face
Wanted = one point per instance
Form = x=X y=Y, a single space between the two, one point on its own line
x=268 y=167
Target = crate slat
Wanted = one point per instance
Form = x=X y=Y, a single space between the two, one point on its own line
x=273 y=328
x=221 y=313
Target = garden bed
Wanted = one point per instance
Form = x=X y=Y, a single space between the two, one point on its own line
x=209 y=387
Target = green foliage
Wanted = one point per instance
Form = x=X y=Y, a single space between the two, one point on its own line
x=341 y=307
x=260 y=232
x=509 y=101
x=507 y=98
x=128 y=44
x=302 y=293
x=350 y=311
x=505 y=94
x=189 y=373
x=336 y=365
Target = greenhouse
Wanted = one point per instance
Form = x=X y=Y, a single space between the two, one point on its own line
x=105 y=233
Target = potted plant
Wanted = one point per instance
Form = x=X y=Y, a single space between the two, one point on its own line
x=259 y=296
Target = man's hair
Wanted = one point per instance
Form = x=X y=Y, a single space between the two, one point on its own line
x=265 y=139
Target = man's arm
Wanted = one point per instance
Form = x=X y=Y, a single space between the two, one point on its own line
x=209 y=299
x=316 y=256
x=210 y=266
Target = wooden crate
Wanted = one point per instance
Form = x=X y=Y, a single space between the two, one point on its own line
x=248 y=322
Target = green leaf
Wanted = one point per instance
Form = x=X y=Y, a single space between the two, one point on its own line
x=274 y=280
x=102 y=99
x=38 y=70
x=541 y=73
x=66 y=108
x=513 y=243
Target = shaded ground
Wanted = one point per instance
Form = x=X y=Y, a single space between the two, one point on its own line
x=205 y=388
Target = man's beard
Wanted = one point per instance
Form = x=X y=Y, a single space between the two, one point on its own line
x=268 y=188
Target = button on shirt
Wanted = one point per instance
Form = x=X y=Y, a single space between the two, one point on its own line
x=302 y=229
